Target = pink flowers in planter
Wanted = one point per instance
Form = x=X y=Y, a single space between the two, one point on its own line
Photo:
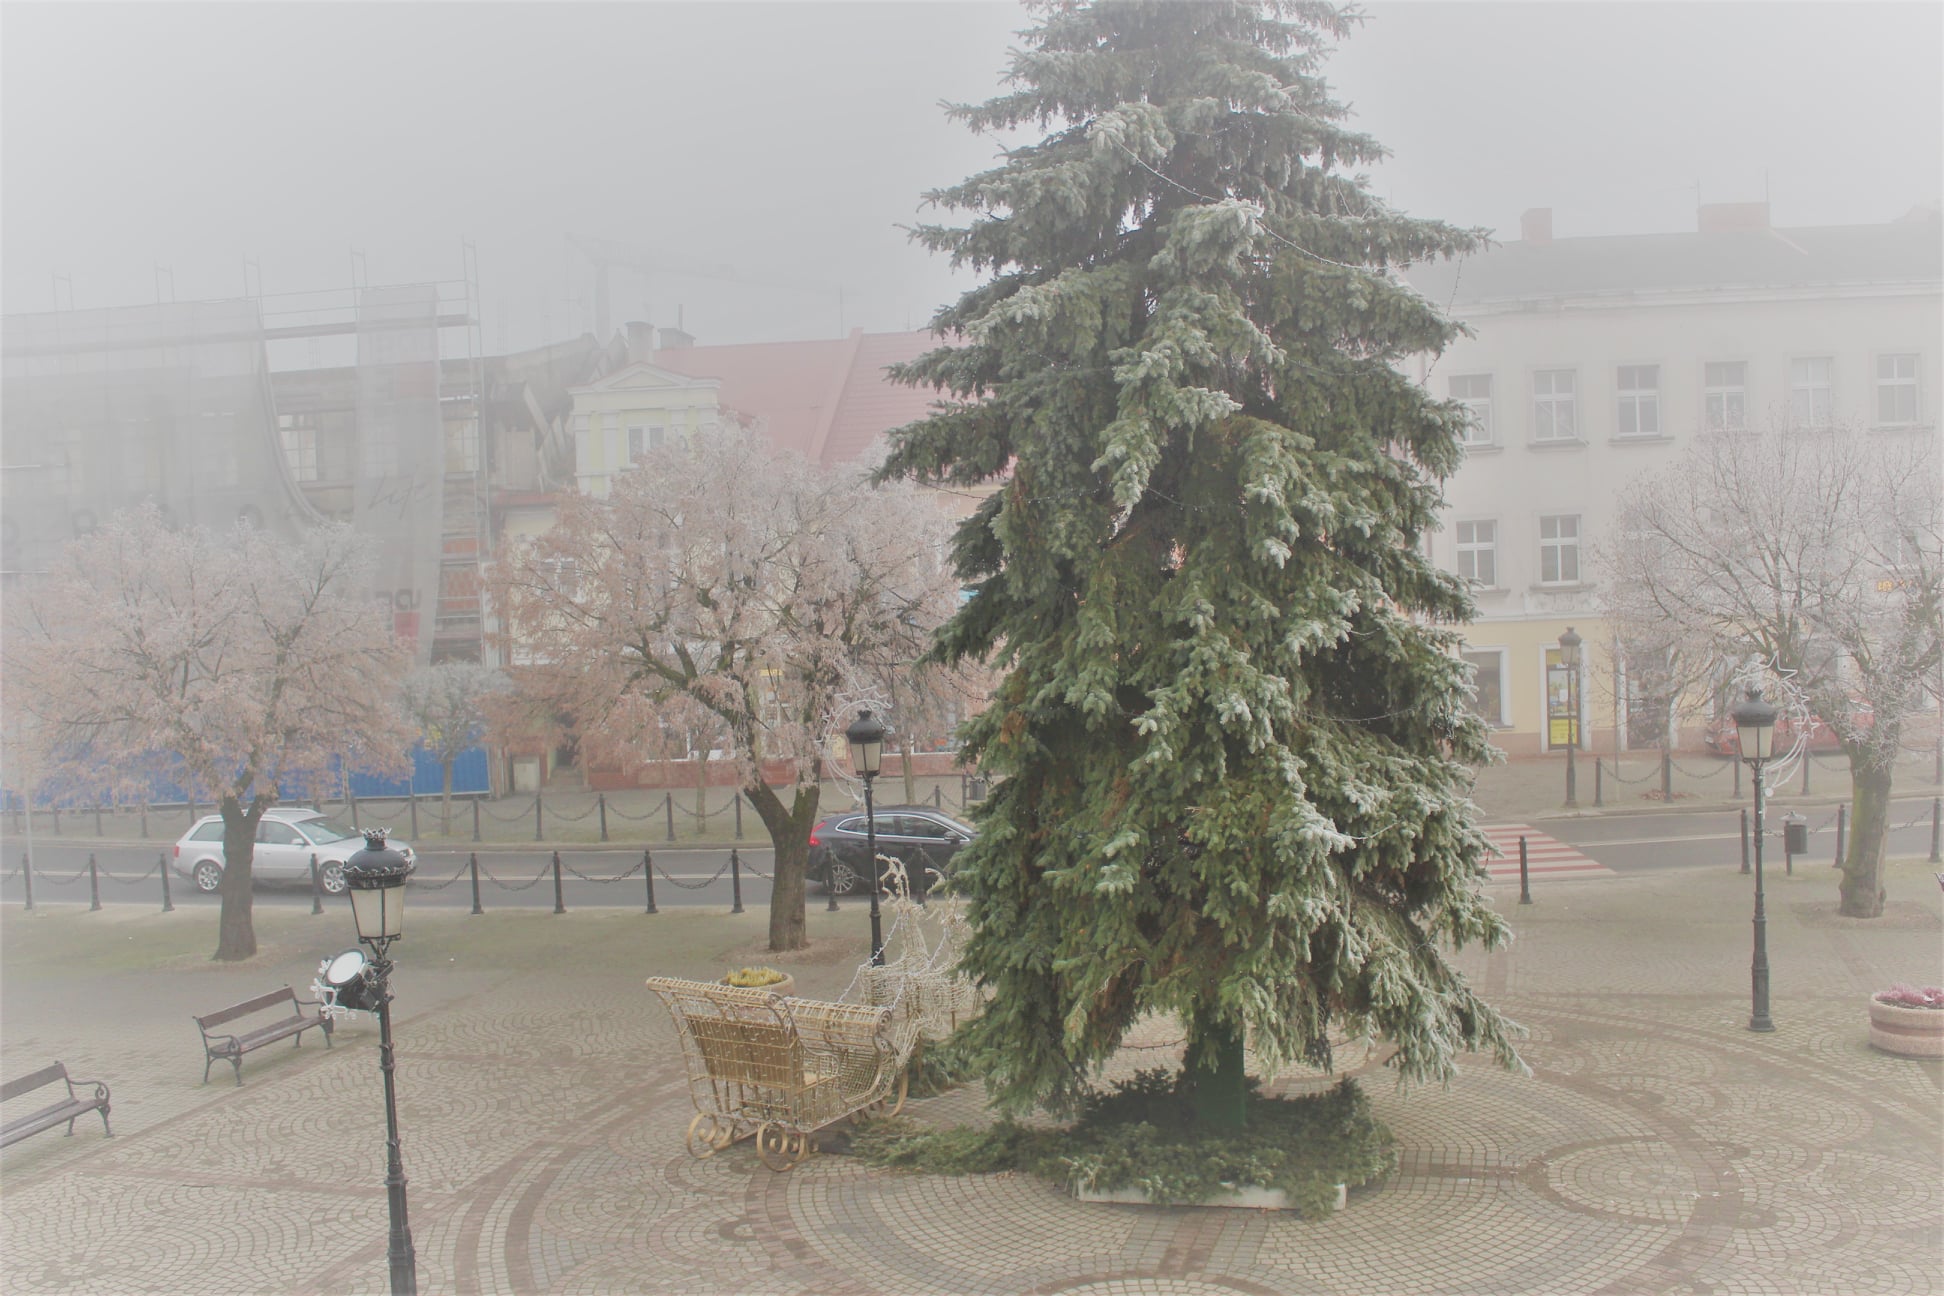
x=1909 y=996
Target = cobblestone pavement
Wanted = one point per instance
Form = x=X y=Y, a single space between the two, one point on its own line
x=1658 y=1145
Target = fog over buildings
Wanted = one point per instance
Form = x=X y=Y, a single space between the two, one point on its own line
x=425 y=266
x=762 y=156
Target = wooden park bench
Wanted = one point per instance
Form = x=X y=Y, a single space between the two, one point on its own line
x=63 y=1112
x=778 y=1069
x=290 y=1024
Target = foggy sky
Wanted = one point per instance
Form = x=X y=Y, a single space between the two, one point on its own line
x=789 y=141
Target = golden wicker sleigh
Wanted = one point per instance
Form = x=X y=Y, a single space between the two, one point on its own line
x=779 y=1069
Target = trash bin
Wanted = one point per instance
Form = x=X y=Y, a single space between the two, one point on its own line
x=1795 y=835
x=975 y=788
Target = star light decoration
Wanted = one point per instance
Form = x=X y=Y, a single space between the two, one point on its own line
x=1778 y=687
x=848 y=705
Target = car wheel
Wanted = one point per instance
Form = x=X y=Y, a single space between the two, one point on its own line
x=842 y=879
x=331 y=877
x=208 y=875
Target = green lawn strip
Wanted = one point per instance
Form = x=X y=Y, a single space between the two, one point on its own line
x=1140 y=1135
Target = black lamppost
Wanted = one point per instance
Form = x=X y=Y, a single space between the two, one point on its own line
x=375 y=877
x=1569 y=657
x=1755 y=731
x=866 y=738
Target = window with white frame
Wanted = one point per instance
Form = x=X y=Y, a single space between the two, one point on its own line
x=1811 y=383
x=1639 y=401
x=1896 y=390
x=637 y=442
x=1725 y=395
x=1488 y=684
x=1478 y=552
x=1474 y=392
x=1559 y=549
x=1555 y=414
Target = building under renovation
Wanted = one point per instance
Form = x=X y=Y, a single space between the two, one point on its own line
x=374 y=407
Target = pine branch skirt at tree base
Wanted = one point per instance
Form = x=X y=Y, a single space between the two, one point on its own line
x=1907 y=1032
x=1247 y=1198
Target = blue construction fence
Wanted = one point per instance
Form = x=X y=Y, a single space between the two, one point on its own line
x=469 y=778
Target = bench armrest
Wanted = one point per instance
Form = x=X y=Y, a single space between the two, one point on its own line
x=100 y=1087
x=307 y=1003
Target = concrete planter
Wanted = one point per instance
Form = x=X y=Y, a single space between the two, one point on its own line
x=1907 y=1032
x=1248 y=1198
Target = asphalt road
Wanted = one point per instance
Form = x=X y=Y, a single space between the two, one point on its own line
x=512 y=877
x=1628 y=843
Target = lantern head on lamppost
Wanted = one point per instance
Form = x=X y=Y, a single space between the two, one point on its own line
x=866 y=738
x=1755 y=727
x=375 y=877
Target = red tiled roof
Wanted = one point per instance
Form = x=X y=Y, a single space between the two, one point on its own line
x=828 y=400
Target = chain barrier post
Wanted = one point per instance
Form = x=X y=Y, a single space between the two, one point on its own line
x=648 y=871
x=57 y=818
x=1807 y=760
x=1744 y=831
x=1599 y=793
x=538 y=814
x=1937 y=821
x=1738 y=766
x=415 y=830
x=16 y=815
x=1842 y=822
x=938 y=794
x=475 y=818
x=27 y=876
x=472 y=863
x=145 y=820
x=735 y=881
x=97 y=818
x=1937 y=768
x=739 y=799
x=317 y=887
x=162 y=865
x=1525 y=879
x=94 y=885
x=560 y=901
x=600 y=800
x=1667 y=776
x=352 y=797
x=668 y=809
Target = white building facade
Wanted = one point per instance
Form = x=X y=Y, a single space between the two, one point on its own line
x=1595 y=360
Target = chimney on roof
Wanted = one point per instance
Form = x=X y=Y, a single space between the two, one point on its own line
x=1535 y=226
x=1724 y=218
x=641 y=341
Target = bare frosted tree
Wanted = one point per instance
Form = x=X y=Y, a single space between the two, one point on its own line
x=719 y=575
x=255 y=666
x=445 y=704
x=1817 y=552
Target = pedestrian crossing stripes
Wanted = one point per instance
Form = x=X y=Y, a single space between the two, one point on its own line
x=1546 y=856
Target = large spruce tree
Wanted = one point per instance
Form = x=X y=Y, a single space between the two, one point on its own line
x=1233 y=734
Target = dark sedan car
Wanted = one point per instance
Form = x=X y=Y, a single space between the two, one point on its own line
x=922 y=838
